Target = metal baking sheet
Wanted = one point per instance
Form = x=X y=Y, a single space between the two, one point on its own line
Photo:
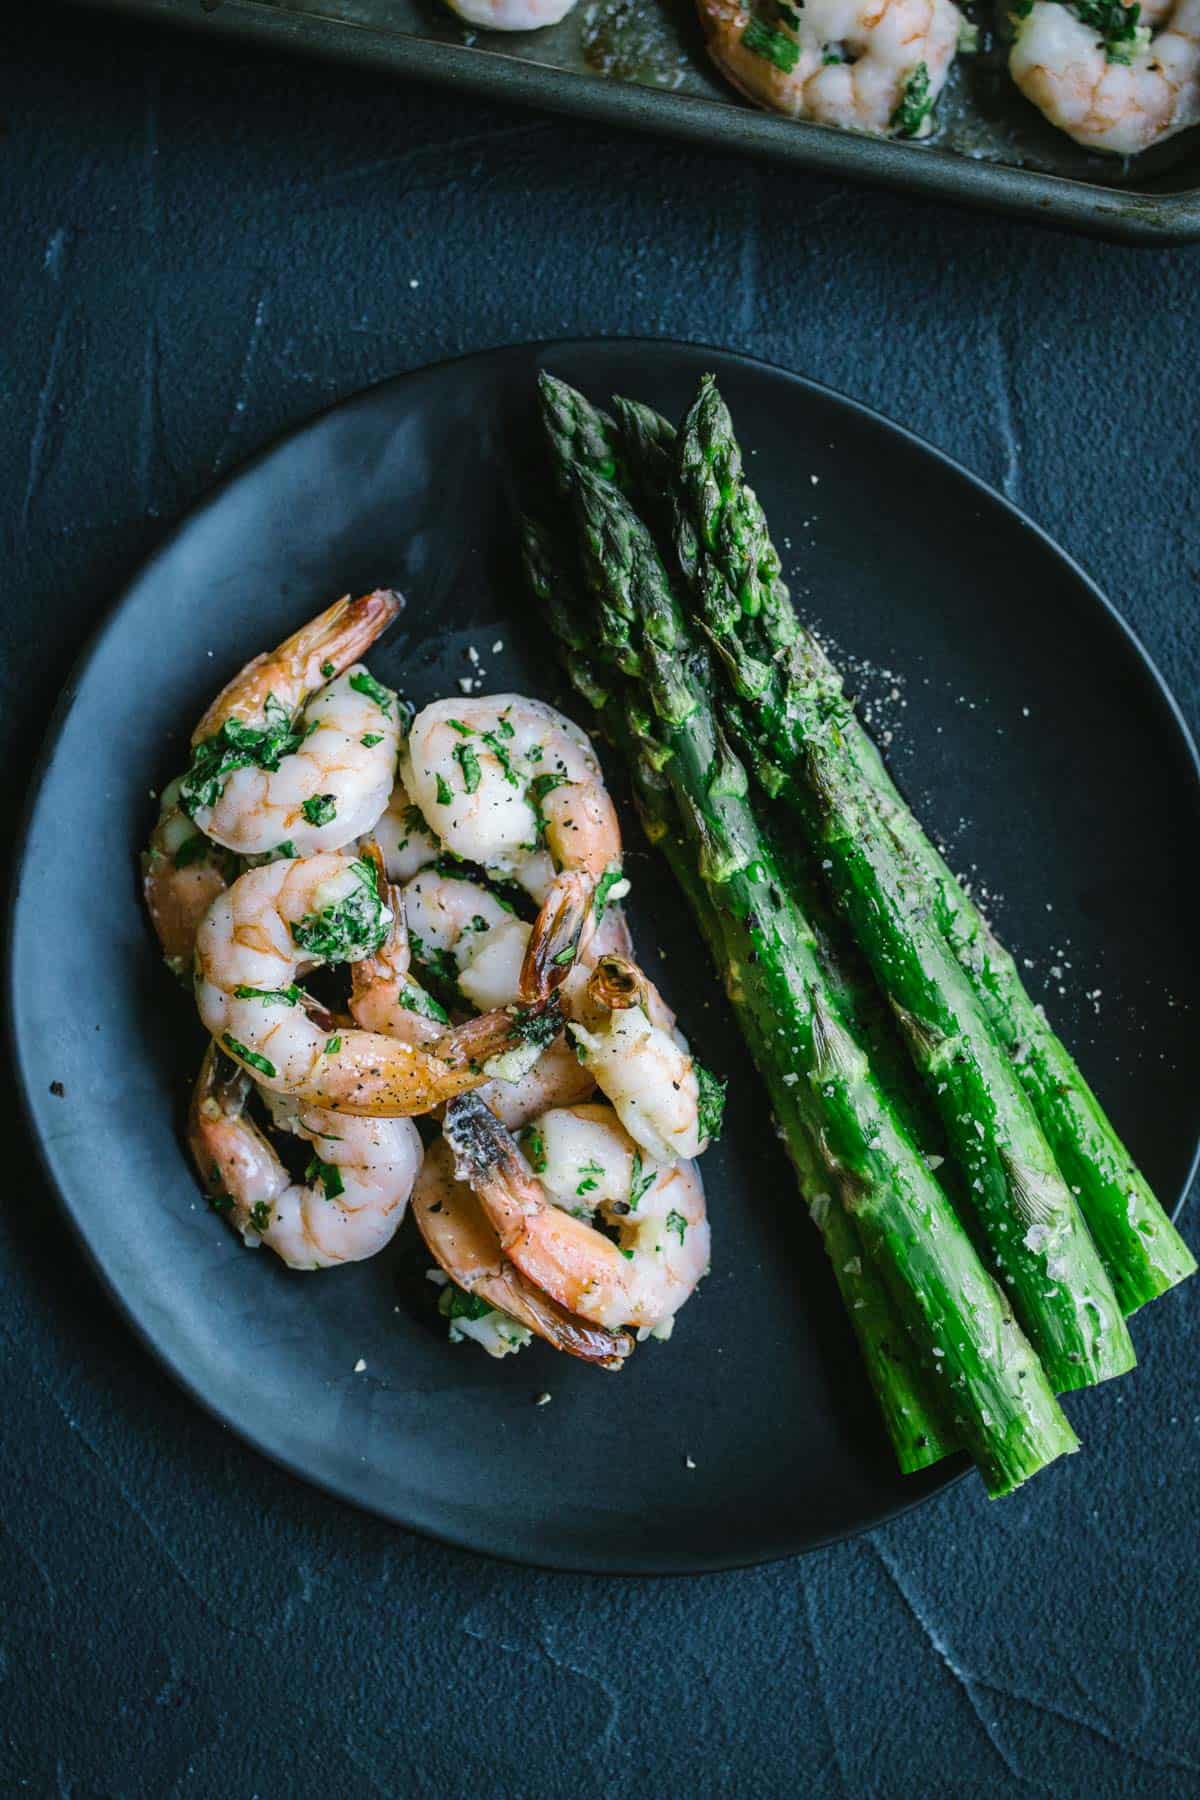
x=641 y=63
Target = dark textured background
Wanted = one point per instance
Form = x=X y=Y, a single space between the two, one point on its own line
x=198 y=250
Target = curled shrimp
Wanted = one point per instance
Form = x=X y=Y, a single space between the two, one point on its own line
x=182 y=873
x=513 y=785
x=663 y=1242
x=462 y=930
x=874 y=66
x=358 y=1184
x=667 y=1101
x=456 y=1230
x=281 y=918
x=1121 y=87
x=299 y=749
x=511 y=15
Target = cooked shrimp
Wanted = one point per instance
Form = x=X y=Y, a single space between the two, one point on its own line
x=663 y=1236
x=300 y=748
x=358 y=1182
x=874 y=66
x=463 y=931
x=665 y=1099
x=281 y=918
x=1120 y=88
x=406 y=841
x=456 y=1230
x=182 y=873
x=511 y=15
x=513 y=785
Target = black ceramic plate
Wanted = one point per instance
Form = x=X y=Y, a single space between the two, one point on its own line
x=1036 y=737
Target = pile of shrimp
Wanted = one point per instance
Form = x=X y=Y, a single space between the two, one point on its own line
x=556 y=1183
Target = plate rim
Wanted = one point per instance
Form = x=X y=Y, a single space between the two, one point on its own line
x=32 y=1103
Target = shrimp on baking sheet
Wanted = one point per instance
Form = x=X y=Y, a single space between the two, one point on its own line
x=489 y=1299
x=511 y=784
x=299 y=749
x=1113 y=77
x=874 y=66
x=511 y=15
x=356 y=1187
x=283 y=918
x=662 y=1244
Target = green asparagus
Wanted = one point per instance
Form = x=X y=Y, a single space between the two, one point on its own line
x=1003 y=1405
x=726 y=550
x=909 y=1397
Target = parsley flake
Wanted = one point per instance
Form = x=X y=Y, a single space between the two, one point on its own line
x=328 y=1174
x=251 y=1058
x=364 y=683
x=320 y=809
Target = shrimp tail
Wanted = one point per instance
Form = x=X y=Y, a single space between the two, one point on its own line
x=520 y=1031
x=302 y=663
x=565 y=1330
x=560 y=934
x=484 y=1149
x=487 y=1158
x=616 y=984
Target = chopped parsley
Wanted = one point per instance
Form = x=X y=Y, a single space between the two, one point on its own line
x=501 y=755
x=764 y=40
x=589 y=1171
x=288 y=996
x=711 y=1106
x=453 y=1303
x=328 y=1174
x=327 y=670
x=533 y=1027
x=541 y=785
x=627 y=1254
x=260 y=1215
x=220 y=1202
x=237 y=746
x=535 y=1149
x=251 y=1058
x=369 y=739
x=1118 y=25
x=320 y=809
x=640 y=1181
x=440 y=963
x=564 y=956
x=364 y=683
x=445 y=797
x=468 y=762
x=333 y=1046
x=414 y=999
x=462 y=730
x=286 y=850
x=192 y=850
x=678 y=1224
x=604 y=887
x=916 y=104
x=503 y=727
x=353 y=927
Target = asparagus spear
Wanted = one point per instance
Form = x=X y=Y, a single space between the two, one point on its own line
x=913 y=1409
x=910 y=1396
x=1027 y=1217
x=1004 y=1407
x=726 y=548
